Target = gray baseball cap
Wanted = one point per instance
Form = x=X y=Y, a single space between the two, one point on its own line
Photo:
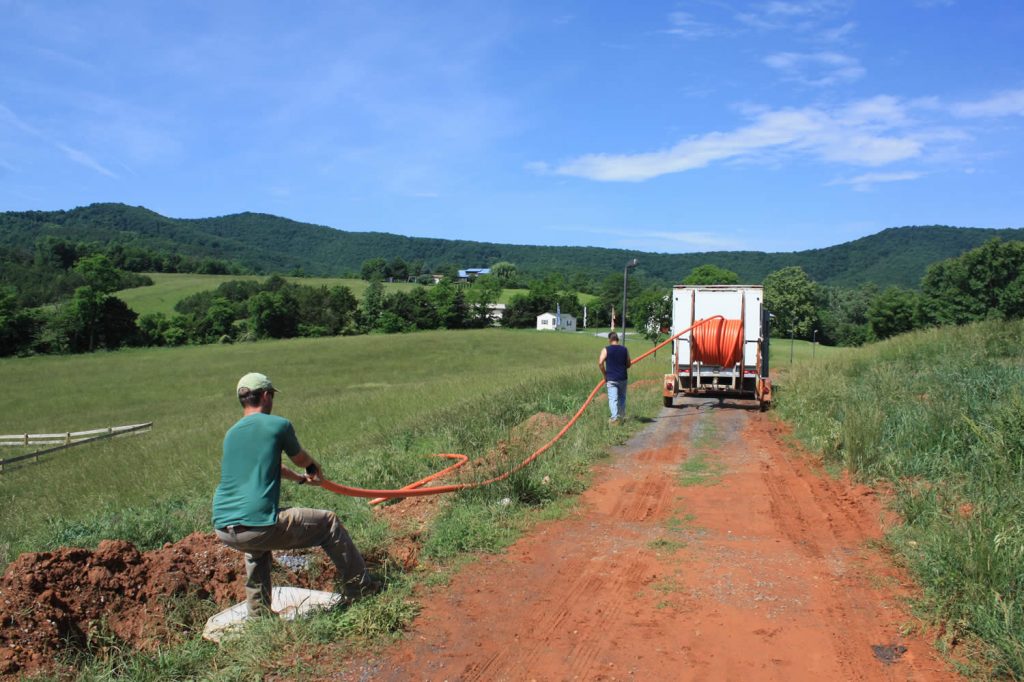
x=254 y=381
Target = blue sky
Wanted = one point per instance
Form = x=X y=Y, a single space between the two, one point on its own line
x=656 y=126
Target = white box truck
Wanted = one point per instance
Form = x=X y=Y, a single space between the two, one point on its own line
x=725 y=352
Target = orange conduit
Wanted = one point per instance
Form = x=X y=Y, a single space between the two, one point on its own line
x=416 y=489
x=719 y=343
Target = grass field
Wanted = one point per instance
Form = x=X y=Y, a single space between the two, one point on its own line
x=169 y=288
x=357 y=403
x=371 y=408
x=939 y=414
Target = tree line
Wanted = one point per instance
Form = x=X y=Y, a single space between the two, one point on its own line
x=984 y=283
x=267 y=244
x=79 y=312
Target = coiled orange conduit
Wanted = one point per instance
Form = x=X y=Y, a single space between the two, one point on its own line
x=720 y=342
x=416 y=489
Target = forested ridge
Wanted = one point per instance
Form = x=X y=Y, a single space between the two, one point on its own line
x=270 y=244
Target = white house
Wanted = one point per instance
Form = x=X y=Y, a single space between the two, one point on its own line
x=551 y=322
x=496 y=311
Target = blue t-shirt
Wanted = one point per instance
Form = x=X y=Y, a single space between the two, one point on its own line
x=250 y=471
x=615 y=361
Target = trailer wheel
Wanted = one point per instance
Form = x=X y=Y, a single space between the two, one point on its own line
x=666 y=401
x=765 y=404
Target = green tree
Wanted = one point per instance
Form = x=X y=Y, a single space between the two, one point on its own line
x=843 y=315
x=56 y=253
x=99 y=273
x=152 y=329
x=792 y=297
x=217 y=322
x=711 y=274
x=374 y=268
x=894 y=311
x=17 y=325
x=398 y=269
x=274 y=315
x=651 y=311
x=505 y=273
x=372 y=305
x=485 y=292
x=982 y=283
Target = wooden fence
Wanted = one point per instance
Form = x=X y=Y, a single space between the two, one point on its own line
x=62 y=441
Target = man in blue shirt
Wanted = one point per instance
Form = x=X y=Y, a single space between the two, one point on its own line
x=614 y=361
x=246 y=515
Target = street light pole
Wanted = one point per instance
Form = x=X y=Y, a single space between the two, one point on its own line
x=625 y=271
x=814 y=342
x=791 y=333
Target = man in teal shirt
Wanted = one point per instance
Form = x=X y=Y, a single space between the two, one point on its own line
x=246 y=515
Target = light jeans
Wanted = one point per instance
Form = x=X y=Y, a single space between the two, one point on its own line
x=296 y=528
x=617 y=399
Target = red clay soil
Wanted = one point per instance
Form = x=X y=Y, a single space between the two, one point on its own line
x=706 y=550
x=51 y=602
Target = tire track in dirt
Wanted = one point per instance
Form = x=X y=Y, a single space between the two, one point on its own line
x=765 y=571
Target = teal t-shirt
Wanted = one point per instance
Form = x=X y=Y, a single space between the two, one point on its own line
x=250 y=471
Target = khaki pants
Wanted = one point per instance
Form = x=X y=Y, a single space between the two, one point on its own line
x=296 y=528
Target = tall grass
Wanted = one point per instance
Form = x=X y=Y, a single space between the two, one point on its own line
x=940 y=414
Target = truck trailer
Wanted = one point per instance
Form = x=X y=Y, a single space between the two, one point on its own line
x=725 y=352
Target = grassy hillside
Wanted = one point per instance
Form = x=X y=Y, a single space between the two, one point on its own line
x=940 y=415
x=169 y=288
x=269 y=244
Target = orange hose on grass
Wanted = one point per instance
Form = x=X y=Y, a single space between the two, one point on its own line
x=416 y=489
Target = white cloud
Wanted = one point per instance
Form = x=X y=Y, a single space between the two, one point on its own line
x=662 y=241
x=1009 y=103
x=865 y=133
x=683 y=24
x=76 y=155
x=801 y=16
x=864 y=182
x=703 y=240
x=790 y=8
x=816 y=69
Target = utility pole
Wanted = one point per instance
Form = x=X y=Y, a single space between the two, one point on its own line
x=625 y=272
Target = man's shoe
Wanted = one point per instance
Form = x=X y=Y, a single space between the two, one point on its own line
x=368 y=588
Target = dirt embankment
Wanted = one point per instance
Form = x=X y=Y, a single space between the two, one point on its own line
x=50 y=600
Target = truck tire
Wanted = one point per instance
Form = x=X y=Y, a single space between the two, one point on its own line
x=666 y=401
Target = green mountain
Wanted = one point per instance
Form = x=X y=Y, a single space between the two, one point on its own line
x=266 y=243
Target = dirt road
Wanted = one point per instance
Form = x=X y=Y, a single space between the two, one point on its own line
x=705 y=550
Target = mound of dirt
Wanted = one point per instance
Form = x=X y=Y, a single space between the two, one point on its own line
x=50 y=601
